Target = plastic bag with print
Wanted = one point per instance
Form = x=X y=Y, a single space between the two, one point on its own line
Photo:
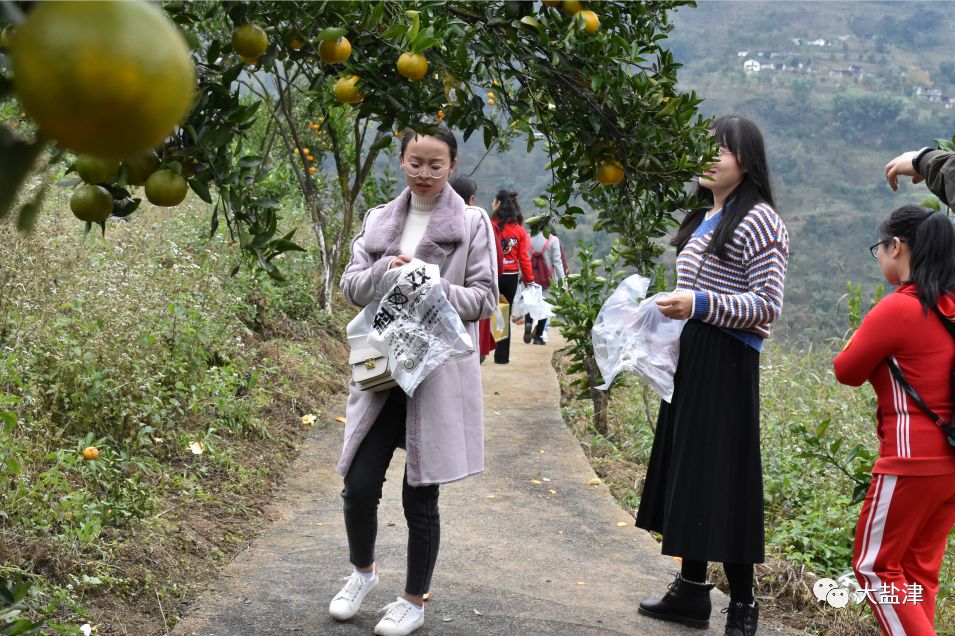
x=633 y=335
x=415 y=324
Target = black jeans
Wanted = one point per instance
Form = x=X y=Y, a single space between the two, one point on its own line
x=362 y=493
x=507 y=284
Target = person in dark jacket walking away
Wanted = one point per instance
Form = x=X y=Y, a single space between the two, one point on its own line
x=909 y=511
x=704 y=486
x=513 y=257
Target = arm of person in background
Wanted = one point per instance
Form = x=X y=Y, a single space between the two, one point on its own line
x=878 y=337
x=555 y=249
x=935 y=167
x=524 y=255
x=477 y=297
x=563 y=259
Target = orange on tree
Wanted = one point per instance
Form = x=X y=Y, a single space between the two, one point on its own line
x=91 y=203
x=166 y=188
x=249 y=41
x=95 y=170
x=312 y=169
x=251 y=61
x=102 y=78
x=412 y=65
x=91 y=453
x=306 y=150
x=139 y=166
x=334 y=51
x=295 y=40
x=609 y=172
x=571 y=7
x=591 y=21
x=346 y=92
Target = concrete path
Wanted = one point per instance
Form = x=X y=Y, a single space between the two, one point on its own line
x=526 y=548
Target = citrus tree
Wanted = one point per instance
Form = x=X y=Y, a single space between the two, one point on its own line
x=593 y=80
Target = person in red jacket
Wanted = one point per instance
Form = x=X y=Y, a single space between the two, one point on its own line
x=513 y=256
x=910 y=507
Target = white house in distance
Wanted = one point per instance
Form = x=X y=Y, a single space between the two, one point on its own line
x=751 y=66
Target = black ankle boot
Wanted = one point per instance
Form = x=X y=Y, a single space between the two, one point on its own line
x=528 y=329
x=685 y=602
x=741 y=619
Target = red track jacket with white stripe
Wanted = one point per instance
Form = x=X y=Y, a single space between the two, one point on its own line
x=909 y=441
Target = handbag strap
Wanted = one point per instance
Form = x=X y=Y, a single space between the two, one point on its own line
x=910 y=390
x=912 y=393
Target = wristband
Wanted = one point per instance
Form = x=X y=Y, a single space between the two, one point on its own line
x=918 y=157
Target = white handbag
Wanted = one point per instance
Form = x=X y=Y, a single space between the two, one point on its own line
x=371 y=370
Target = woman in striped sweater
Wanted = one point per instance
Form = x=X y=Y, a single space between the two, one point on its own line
x=703 y=490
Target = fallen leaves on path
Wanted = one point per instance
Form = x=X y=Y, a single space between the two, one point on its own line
x=340 y=419
x=596 y=481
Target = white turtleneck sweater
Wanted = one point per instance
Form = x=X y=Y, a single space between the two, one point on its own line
x=419 y=213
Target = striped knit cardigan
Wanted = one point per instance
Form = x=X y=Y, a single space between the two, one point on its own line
x=744 y=291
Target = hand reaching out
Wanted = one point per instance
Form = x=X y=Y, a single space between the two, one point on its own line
x=902 y=165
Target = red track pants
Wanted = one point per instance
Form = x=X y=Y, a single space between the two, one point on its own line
x=900 y=541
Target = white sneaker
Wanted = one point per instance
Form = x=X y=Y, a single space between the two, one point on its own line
x=347 y=602
x=401 y=617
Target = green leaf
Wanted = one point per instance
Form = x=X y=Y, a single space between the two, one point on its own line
x=232 y=74
x=280 y=246
x=395 y=31
x=202 y=190
x=331 y=33
x=424 y=43
x=17 y=158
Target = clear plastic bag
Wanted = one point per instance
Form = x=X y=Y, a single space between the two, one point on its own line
x=532 y=298
x=414 y=323
x=633 y=335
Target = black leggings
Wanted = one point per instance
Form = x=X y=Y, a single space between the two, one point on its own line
x=507 y=285
x=739 y=575
x=362 y=493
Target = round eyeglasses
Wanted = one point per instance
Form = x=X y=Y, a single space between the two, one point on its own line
x=874 y=249
x=415 y=170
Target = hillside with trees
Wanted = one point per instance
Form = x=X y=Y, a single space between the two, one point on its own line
x=842 y=88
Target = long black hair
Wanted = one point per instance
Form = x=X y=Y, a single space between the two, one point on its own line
x=741 y=137
x=931 y=239
x=509 y=211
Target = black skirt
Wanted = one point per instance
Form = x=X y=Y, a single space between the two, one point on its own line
x=704 y=486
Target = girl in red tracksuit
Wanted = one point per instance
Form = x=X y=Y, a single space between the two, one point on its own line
x=513 y=257
x=910 y=507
